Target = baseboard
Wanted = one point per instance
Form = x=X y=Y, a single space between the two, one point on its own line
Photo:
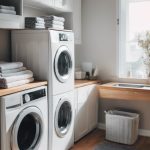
x=142 y=132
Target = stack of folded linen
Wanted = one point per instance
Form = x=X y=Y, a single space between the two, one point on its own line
x=14 y=74
x=34 y=22
x=7 y=10
x=54 y=22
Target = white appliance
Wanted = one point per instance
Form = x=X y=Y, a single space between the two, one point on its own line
x=49 y=54
x=63 y=121
x=24 y=119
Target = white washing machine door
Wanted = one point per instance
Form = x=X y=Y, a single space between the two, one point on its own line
x=27 y=130
x=63 y=117
x=63 y=64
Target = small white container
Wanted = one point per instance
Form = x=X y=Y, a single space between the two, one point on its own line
x=122 y=127
x=80 y=75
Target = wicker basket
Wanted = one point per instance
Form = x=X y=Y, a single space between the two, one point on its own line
x=122 y=127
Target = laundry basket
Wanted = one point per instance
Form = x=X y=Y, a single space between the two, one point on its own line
x=122 y=127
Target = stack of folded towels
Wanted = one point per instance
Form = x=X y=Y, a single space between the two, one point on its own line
x=34 y=23
x=14 y=74
x=54 y=22
x=7 y=10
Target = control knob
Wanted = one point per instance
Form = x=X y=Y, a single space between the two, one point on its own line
x=27 y=98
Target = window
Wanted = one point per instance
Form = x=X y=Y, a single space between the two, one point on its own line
x=134 y=20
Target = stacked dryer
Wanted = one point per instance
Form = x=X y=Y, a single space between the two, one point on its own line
x=50 y=54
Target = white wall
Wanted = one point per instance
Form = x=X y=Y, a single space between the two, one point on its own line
x=99 y=36
x=99 y=45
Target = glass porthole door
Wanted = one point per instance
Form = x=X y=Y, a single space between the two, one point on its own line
x=63 y=64
x=27 y=130
x=63 y=117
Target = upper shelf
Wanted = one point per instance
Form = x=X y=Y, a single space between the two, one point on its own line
x=9 y=21
x=111 y=91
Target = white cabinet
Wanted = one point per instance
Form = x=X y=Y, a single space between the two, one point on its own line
x=92 y=106
x=86 y=110
x=65 y=5
x=77 y=21
x=44 y=5
x=51 y=6
x=81 y=119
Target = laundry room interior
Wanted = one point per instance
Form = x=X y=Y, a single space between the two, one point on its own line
x=74 y=75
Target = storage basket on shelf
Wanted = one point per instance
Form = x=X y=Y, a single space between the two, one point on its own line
x=122 y=127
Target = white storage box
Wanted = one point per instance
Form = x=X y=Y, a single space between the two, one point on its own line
x=122 y=127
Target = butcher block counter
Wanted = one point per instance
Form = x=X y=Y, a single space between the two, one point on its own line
x=124 y=91
x=81 y=83
x=4 y=92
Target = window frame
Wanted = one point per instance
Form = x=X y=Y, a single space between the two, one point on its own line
x=120 y=53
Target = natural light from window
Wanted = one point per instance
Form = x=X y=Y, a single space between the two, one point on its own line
x=134 y=21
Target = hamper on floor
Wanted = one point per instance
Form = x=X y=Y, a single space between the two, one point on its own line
x=122 y=127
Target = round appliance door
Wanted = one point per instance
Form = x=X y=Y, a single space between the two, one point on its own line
x=63 y=117
x=27 y=130
x=63 y=64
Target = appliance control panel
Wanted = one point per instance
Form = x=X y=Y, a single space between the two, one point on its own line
x=33 y=95
x=63 y=37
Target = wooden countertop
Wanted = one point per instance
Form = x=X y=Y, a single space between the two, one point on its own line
x=109 y=91
x=81 y=83
x=4 y=92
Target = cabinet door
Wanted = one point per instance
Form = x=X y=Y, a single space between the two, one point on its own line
x=77 y=20
x=44 y=4
x=81 y=125
x=92 y=107
x=65 y=5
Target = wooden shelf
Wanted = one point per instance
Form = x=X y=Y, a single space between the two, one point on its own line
x=4 y=92
x=81 y=83
x=108 y=91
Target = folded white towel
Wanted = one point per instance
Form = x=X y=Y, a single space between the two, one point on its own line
x=54 y=22
x=10 y=65
x=17 y=83
x=53 y=26
x=56 y=18
x=7 y=7
x=6 y=80
x=6 y=11
x=35 y=19
x=35 y=26
x=12 y=70
x=14 y=73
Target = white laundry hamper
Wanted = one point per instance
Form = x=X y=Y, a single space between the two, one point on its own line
x=122 y=127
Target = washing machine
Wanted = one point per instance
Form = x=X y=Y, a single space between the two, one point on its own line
x=49 y=54
x=24 y=120
x=63 y=121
